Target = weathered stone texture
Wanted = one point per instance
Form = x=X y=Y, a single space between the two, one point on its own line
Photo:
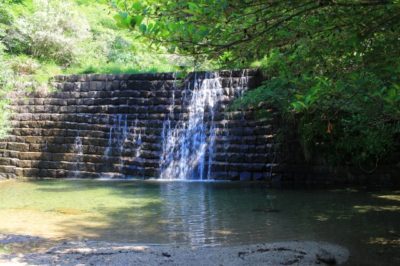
x=85 y=108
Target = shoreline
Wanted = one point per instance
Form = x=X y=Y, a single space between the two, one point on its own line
x=110 y=253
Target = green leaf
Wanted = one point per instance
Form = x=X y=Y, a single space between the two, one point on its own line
x=137 y=6
x=143 y=28
x=123 y=20
x=193 y=6
x=298 y=106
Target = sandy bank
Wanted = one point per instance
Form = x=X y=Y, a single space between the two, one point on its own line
x=102 y=253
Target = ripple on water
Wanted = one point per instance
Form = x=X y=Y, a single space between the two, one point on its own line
x=203 y=214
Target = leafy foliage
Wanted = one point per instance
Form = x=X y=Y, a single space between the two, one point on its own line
x=110 y=48
x=247 y=30
x=43 y=38
x=53 y=31
x=332 y=65
x=75 y=35
x=351 y=119
x=5 y=75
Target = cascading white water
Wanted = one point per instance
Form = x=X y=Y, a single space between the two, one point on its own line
x=120 y=139
x=78 y=151
x=136 y=138
x=188 y=135
x=117 y=135
x=188 y=145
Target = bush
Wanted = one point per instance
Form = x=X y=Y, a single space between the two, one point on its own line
x=5 y=16
x=53 y=32
x=5 y=76
x=347 y=119
x=24 y=65
x=5 y=70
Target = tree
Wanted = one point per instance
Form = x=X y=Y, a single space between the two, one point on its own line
x=332 y=64
x=247 y=30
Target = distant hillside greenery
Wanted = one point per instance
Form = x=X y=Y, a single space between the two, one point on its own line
x=43 y=38
x=71 y=36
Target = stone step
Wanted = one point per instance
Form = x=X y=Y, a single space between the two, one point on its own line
x=99 y=146
x=131 y=133
x=118 y=97
x=85 y=109
x=54 y=173
x=244 y=148
x=112 y=113
x=152 y=76
x=243 y=157
x=220 y=121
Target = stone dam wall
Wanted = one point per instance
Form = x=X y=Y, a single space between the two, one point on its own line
x=141 y=126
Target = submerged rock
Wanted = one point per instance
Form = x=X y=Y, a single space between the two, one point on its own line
x=325 y=257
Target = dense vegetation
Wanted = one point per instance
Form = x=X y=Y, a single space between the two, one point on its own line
x=333 y=65
x=43 y=38
x=73 y=36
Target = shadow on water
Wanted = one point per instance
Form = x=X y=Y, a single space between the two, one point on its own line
x=153 y=212
x=209 y=214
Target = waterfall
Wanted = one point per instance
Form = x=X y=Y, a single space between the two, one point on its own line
x=150 y=126
x=189 y=130
x=188 y=147
x=123 y=140
x=136 y=139
x=117 y=136
x=78 y=151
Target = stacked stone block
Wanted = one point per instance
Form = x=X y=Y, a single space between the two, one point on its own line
x=66 y=133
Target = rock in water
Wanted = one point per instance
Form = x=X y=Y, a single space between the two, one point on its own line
x=326 y=257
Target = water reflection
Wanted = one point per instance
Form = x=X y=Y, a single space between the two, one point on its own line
x=186 y=214
x=199 y=214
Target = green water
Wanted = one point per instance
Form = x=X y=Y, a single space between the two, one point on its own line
x=204 y=214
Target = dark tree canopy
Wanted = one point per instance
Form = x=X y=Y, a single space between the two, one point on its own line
x=248 y=30
x=333 y=65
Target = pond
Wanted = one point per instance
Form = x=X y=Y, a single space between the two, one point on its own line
x=204 y=214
